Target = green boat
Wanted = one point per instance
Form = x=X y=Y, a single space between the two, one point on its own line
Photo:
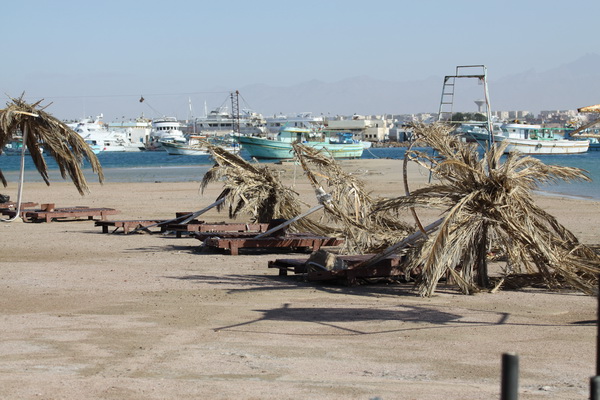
x=281 y=147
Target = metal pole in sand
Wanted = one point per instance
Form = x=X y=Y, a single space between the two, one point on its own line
x=510 y=377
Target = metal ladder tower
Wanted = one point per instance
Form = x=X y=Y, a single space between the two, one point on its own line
x=447 y=101
x=235 y=111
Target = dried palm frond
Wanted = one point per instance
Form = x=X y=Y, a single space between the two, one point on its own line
x=252 y=189
x=487 y=202
x=63 y=144
x=351 y=207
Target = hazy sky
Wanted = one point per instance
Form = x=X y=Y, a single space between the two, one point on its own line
x=83 y=51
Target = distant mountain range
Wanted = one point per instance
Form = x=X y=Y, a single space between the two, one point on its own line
x=569 y=86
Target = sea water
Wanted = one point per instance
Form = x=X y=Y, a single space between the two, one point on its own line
x=158 y=166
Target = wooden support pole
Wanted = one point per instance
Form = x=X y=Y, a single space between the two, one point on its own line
x=188 y=217
x=395 y=247
x=289 y=221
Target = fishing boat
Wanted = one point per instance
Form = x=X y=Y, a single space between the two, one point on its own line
x=534 y=139
x=525 y=138
x=281 y=146
x=15 y=148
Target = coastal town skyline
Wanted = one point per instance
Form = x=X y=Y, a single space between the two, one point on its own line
x=328 y=57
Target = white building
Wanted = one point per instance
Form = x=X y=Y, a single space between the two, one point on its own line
x=372 y=129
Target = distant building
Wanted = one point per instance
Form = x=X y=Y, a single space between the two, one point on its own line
x=370 y=129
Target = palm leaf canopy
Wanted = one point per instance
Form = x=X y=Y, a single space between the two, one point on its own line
x=351 y=206
x=254 y=190
x=63 y=144
x=487 y=204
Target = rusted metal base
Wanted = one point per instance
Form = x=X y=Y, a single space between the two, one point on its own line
x=233 y=241
x=386 y=268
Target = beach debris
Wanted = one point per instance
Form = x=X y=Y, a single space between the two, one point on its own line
x=579 y=131
x=487 y=204
x=350 y=207
x=253 y=189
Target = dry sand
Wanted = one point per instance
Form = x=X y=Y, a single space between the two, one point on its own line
x=87 y=315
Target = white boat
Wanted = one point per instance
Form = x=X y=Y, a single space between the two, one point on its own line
x=137 y=130
x=100 y=138
x=281 y=147
x=525 y=138
x=301 y=120
x=166 y=130
x=534 y=139
x=221 y=121
x=194 y=146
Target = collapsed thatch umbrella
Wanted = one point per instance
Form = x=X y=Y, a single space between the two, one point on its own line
x=41 y=129
x=488 y=204
x=254 y=190
x=351 y=206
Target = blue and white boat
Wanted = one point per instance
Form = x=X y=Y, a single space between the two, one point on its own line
x=281 y=146
x=526 y=138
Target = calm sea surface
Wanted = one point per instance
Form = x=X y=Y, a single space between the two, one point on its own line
x=158 y=166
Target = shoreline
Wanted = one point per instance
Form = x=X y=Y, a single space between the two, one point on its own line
x=192 y=173
x=140 y=316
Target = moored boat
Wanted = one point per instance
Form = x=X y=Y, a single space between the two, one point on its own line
x=281 y=146
x=534 y=139
x=525 y=138
x=100 y=138
x=194 y=146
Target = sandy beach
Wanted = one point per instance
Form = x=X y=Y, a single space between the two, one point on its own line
x=87 y=315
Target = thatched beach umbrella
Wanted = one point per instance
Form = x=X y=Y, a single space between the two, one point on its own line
x=487 y=203
x=252 y=189
x=40 y=129
x=351 y=207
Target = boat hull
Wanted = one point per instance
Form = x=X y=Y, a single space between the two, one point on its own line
x=272 y=149
x=179 y=149
x=184 y=150
x=532 y=146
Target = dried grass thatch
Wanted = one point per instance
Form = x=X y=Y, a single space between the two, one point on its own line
x=351 y=207
x=488 y=204
x=252 y=189
x=66 y=146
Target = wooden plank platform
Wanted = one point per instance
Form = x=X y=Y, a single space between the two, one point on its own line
x=388 y=267
x=145 y=225
x=52 y=214
x=201 y=227
x=128 y=225
x=11 y=205
x=233 y=242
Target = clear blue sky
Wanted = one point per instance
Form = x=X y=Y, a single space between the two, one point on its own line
x=76 y=48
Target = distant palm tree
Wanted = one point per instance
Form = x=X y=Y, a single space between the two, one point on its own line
x=487 y=204
x=40 y=129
